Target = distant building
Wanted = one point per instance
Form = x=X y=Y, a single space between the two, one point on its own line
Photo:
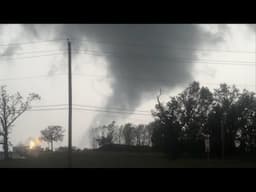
x=16 y=153
x=2 y=155
x=25 y=151
x=64 y=149
x=21 y=151
x=35 y=151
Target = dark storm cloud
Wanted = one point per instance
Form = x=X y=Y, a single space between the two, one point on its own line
x=142 y=58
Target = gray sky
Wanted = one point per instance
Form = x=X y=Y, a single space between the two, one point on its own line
x=120 y=66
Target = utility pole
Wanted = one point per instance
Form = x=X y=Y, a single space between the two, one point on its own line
x=69 y=106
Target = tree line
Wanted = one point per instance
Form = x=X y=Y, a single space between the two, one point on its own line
x=226 y=114
x=128 y=134
x=180 y=126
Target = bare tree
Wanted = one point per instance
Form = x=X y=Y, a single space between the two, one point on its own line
x=11 y=108
x=52 y=134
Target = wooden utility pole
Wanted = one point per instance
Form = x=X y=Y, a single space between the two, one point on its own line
x=69 y=106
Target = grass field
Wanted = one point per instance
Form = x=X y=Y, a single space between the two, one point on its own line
x=99 y=159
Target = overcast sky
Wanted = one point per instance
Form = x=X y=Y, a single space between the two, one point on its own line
x=117 y=66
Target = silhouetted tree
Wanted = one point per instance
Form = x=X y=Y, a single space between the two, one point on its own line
x=146 y=134
x=184 y=119
x=181 y=124
x=138 y=134
x=166 y=130
x=119 y=134
x=52 y=134
x=189 y=113
x=214 y=126
x=196 y=112
x=158 y=135
x=246 y=121
x=106 y=134
x=128 y=133
x=11 y=108
x=226 y=97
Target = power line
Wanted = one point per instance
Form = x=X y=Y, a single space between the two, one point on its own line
x=100 y=77
x=246 y=63
x=108 y=111
x=112 y=109
x=138 y=117
x=53 y=109
x=31 y=42
x=30 y=77
x=91 y=108
x=29 y=52
x=124 y=43
x=103 y=53
x=42 y=106
x=65 y=109
x=59 y=54
x=162 y=46
x=96 y=53
x=139 y=78
x=178 y=59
